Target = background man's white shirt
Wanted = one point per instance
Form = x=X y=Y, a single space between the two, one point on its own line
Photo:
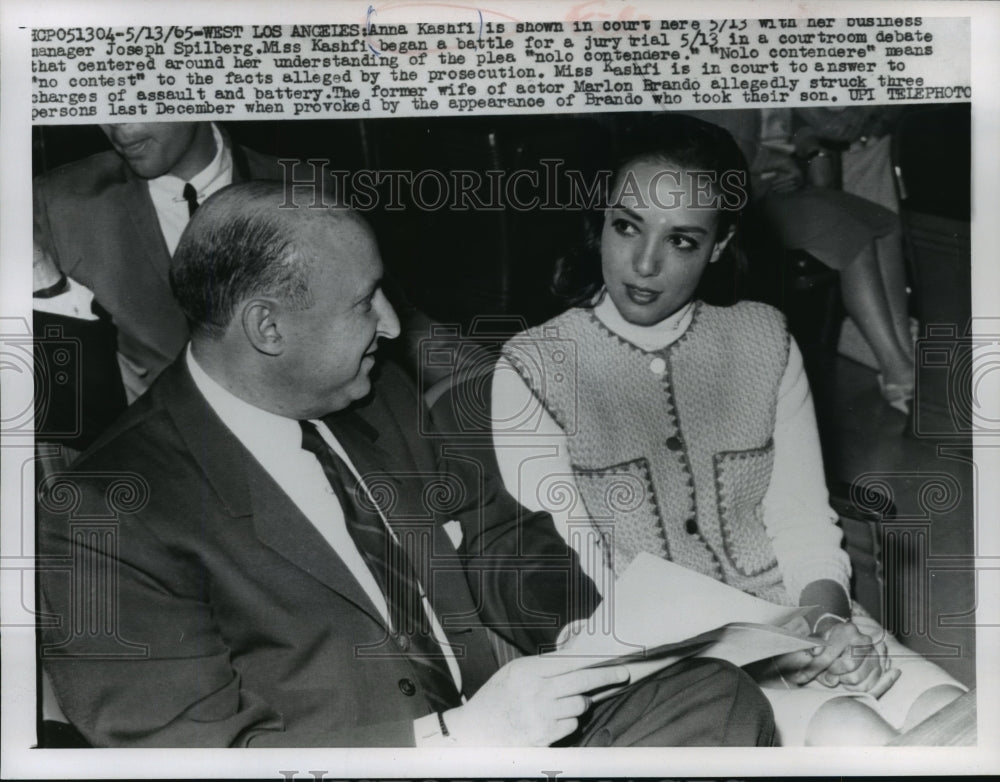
x=167 y=191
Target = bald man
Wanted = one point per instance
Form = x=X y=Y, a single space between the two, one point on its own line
x=291 y=563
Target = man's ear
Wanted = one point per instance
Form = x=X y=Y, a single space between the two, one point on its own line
x=720 y=245
x=260 y=326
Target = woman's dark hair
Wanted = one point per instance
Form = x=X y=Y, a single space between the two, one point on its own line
x=692 y=145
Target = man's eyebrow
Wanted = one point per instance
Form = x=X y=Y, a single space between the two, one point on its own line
x=369 y=291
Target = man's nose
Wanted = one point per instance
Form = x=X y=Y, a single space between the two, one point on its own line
x=388 y=321
x=647 y=261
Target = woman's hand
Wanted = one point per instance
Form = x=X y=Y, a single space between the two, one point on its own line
x=848 y=657
x=853 y=659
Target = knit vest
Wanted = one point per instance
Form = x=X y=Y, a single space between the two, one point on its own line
x=671 y=449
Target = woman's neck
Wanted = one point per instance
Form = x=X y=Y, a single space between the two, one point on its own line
x=654 y=337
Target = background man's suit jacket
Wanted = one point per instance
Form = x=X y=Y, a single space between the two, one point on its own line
x=235 y=623
x=104 y=233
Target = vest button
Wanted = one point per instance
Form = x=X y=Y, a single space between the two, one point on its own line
x=407 y=687
x=657 y=366
x=674 y=443
x=402 y=641
x=691 y=526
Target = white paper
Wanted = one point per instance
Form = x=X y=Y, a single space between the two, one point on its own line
x=657 y=603
x=663 y=613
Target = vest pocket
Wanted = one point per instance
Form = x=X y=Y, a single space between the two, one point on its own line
x=622 y=504
x=741 y=481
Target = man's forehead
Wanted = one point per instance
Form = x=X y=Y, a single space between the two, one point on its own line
x=343 y=246
x=328 y=227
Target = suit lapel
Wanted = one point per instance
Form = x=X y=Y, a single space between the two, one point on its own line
x=241 y=166
x=360 y=440
x=391 y=463
x=280 y=526
x=142 y=213
x=247 y=490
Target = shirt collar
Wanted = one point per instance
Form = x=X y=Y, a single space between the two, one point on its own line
x=262 y=432
x=654 y=337
x=220 y=167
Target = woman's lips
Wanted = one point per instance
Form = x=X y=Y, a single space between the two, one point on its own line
x=641 y=295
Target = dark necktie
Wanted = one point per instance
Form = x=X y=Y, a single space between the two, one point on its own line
x=191 y=196
x=393 y=572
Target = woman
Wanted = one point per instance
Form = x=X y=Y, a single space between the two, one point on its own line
x=704 y=413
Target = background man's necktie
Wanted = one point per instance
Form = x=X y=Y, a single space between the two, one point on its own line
x=392 y=570
x=191 y=196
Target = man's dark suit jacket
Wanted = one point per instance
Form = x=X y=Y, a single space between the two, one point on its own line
x=104 y=233
x=195 y=605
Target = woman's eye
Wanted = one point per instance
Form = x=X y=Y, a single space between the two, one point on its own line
x=682 y=242
x=625 y=227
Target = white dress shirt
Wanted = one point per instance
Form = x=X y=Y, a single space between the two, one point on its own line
x=167 y=191
x=276 y=443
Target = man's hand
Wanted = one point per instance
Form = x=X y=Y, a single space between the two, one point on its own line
x=530 y=702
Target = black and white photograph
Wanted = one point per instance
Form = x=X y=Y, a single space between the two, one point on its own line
x=587 y=389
